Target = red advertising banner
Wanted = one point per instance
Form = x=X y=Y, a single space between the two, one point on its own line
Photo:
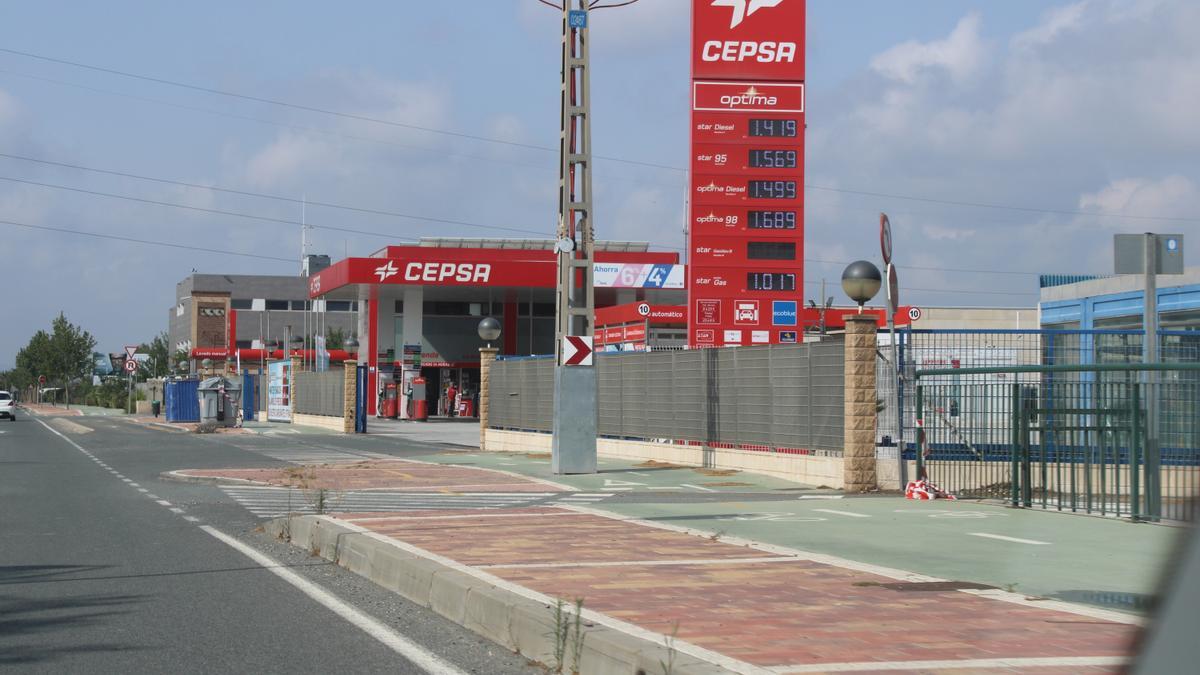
x=635 y=332
x=748 y=39
x=746 y=235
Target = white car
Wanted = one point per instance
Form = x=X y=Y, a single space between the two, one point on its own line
x=8 y=407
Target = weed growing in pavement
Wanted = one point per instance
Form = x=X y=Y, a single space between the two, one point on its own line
x=1011 y=588
x=577 y=641
x=716 y=536
x=668 y=666
x=568 y=631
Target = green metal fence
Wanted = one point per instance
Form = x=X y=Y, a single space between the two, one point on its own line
x=1110 y=439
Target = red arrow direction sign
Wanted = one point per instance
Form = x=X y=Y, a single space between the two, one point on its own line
x=577 y=350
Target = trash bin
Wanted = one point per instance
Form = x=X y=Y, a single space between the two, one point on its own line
x=220 y=400
x=155 y=408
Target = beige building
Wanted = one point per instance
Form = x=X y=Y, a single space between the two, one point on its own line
x=978 y=318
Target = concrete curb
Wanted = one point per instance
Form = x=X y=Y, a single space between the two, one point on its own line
x=522 y=622
x=179 y=477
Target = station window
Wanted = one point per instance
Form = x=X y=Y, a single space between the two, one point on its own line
x=337 y=306
x=278 y=304
x=399 y=307
x=300 y=305
x=241 y=303
x=244 y=344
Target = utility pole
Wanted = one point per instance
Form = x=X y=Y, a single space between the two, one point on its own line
x=573 y=449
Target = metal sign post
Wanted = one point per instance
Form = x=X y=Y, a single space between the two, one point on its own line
x=574 y=445
x=1150 y=254
x=893 y=304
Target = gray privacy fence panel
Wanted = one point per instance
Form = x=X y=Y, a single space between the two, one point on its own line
x=777 y=397
x=321 y=393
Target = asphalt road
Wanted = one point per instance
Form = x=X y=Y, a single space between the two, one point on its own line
x=105 y=567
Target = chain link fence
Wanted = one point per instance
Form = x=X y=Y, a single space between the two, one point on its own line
x=777 y=398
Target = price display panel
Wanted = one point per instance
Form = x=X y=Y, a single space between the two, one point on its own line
x=746 y=201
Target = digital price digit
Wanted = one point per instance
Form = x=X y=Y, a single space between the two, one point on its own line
x=772 y=220
x=772 y=189
x=773 y=159
x=770 y=250
x=770 y=281
x=773 y=128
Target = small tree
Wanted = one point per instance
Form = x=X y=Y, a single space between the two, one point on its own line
x=71 y=348
x=335 y=338
x=160 y=356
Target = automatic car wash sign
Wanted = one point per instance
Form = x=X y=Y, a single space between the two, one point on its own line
x=746 y=234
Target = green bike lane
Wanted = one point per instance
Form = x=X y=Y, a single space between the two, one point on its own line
x=1060 y=556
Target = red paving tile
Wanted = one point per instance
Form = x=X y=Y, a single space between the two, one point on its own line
x=392 y=475
x=765 y=613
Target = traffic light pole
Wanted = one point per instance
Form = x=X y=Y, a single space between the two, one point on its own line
x=574 y=445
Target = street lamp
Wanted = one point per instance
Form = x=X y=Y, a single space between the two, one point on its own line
x=861 y=281
x=489 y=329
x=351 y=346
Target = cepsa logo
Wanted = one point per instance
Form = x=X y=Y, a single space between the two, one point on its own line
x=460 y=272
x=748 y=38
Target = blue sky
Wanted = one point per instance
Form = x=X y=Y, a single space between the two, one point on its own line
x=1071 y=107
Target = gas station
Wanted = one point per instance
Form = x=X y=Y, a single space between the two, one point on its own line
x=419 y=306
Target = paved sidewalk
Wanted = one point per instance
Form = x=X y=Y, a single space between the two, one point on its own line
x=751 y=607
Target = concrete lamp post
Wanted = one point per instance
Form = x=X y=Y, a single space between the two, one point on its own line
x=489 y=329
x=861 y=281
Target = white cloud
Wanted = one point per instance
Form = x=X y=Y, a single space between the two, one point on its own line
x=1173 y=196
x=959 y=54
x=1055 y=22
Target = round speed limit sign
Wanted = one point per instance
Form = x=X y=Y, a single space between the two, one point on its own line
x=914 y=313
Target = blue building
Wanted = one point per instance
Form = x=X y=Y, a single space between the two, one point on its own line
x=1116 y=303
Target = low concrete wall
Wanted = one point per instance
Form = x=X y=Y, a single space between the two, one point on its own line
x=512 y=616
x=323 y=421
x=808 y=469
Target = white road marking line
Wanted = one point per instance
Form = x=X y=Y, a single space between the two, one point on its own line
x=820 y=496
x=418 y=655
x=176 y=509
x=143 y=490
x=617 y=489
x=1018 y=662
x=191 y=519
x=697 y=487
x=151 y=495
x=163 y=502
x=637 y=473
x=1017 y=540
x=589 y=494
x=843 y=513
x=133 y=484
x=642 y=563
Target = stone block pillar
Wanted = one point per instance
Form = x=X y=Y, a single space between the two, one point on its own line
x=349 y=392
x=860 y=414
x=487 y=356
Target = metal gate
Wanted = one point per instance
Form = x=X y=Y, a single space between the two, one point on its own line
x=1119 y=440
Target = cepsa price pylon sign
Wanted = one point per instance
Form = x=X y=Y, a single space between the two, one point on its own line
x=746 y=209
